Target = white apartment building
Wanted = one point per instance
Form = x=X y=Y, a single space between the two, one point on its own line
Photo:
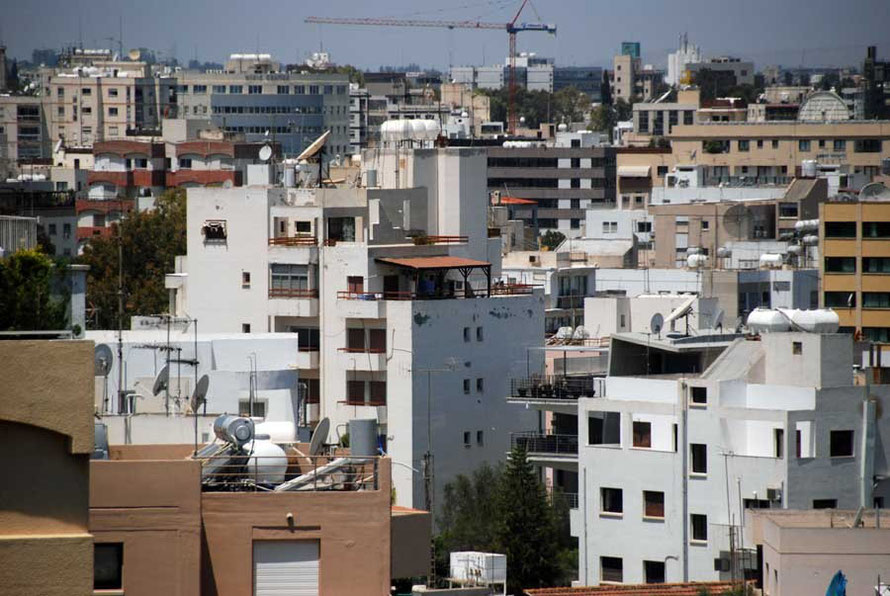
x=391 y=292
x=687 y=53
x=693 y=430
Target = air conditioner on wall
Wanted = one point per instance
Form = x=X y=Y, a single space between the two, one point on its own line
x=774 y=494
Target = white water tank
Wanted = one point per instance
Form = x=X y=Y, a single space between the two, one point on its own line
x=267 y=462
x=724 y=252
x=279 y=431
x=810 y=240
x=418 y=130
x=808 y=168
x=692 y=250
x=795 y=249
x=432 y=129
x=822 y=320
x=233 y=429
x=771 y=260
x=807 y=225
x=290 y=177
x=765 y=320
x=696 y=261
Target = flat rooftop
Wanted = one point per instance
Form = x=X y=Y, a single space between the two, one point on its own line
x=841 y=519
x=677 y=342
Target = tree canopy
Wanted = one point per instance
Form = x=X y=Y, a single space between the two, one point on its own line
x=537 y=107
x=27 y=298
x=150 y=240
x=506 y=509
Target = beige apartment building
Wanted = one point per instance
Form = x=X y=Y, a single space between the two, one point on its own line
x=854 y=237
x=46 y=425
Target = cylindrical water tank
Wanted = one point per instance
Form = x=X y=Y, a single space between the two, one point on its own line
x=233 y=429
x=823 y=320
x=403 y=130
x=418 y=130
x=696 y=261
x=765 y=320
x=267 y=462
x=363 y=437
x=432 y=129
x=795 y=249
x=290 y=177
x=771 y=260
x=807 y=225
x=724 y=252
x=810 y=240
x=279 y=431
x=808 y=168
x=692 y=250
x=371 y=178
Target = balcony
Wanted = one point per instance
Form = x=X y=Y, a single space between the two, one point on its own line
x=548 y=449
x=570 y=301
x=430 y=240
x=293 y=302
x=362 y=359
x=553 y=388
x=307 y=358
x=294 y=241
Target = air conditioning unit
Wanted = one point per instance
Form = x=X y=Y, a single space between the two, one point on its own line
x=722 y=564
x=774 y=494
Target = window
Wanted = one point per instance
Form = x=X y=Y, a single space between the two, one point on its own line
x=199 y=89
x=699 y=395
x=642 y=434
x=611 y=569
x=355 y=284
x=214 y=230
x=653 y=572
x=254 y=89
x=283 y=89
x=288 y=279
x=699 y=458
x=219 y=88
x=377 y=393
x=867 y=146
x=840 y=299
x=699 y=524
x=66 y=230
x=803 y=145
x=824 y=503
x=108 y=566
x=185 y=163
x=467 y=439
x=779 y=442
x=840 y=145
x=775 y=144
x=840 y=264
x=653 y=504
x=611 y=500
x=705 y=225
x=604 y=428
x=52 y=229
x=661 y=171
x=245 y=327
x=840 y=229
x=466 y=334
x=466 y=386
x=245 y=279
x=341 y=229
x=355 y=393
x=480 y=385
x=877 y=334
x=313 y=89
x=480 y=438
x=300 y=89
x=744 y=145
x=478 y=333
x=688 y=116
x=328 y=89
x=875 y=229
x=576 y=183
x=86 y=91
x=841 y=443
x=796 y=348
x=760 y=143
x=258 y=408
x=236 y=89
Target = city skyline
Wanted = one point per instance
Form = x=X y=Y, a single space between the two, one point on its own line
x=807 y=39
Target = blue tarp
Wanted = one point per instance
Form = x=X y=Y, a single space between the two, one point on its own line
x=838 y=585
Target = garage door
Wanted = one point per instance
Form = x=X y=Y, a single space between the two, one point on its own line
x=285 y=568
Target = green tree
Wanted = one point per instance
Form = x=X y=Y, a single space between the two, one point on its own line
x=528 y=528
x=150 y=241
x=27 y=301
x=551 y=239
x=602 y=119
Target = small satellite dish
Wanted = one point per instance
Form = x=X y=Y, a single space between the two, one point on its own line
x=265 y=153
x=161 y=381
x=200 y=394
x=134 y=55
x=718 y=319
x=103 y=357
x=656 y=323
x=318 y=436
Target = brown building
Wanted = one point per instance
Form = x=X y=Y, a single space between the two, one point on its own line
x=854 y=236
x=46 y=429
x=149 y=511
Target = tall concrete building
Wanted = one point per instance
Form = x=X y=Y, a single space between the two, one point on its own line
x=2 y=68
x=630 y=78
x=686 y=54
x=254 y=97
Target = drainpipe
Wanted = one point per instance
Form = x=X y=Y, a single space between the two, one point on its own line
x=685 y=476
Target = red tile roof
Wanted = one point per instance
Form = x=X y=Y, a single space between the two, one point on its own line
x=434 y=262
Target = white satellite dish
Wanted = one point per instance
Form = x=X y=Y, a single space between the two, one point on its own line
x=103 y=357
x=314 y=147
x=200 y=394
x=265 y=153
x=162 y=381
x=656 y=323
x=318 y=436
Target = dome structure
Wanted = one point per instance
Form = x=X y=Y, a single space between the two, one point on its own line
x=823 y=106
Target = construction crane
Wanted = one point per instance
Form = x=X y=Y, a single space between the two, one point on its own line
x=512 y=28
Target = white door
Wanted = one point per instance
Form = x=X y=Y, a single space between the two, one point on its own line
x=285 y=568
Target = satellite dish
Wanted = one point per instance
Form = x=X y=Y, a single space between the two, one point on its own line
x=200 y=394
x=315 y=146
x=134 y=55
x=161 y=381
x=103 y=357
x=736 y=220
x=265 y=153
x=718 y=319
x=318 y=436
x=656 y=323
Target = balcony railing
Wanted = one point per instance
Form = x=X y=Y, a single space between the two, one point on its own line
x=545 y=443
x=558 y=497
x=243 y=472
x=426 y=240
x=364 y=350
x=294 y=241
x=513 y=289
x=292 y=293
x=570 y=302
x=362 y=402
x=556 y=387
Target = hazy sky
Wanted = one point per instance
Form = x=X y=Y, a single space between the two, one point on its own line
x=790 y=32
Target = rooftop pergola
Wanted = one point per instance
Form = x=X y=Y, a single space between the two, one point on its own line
x=441 y=264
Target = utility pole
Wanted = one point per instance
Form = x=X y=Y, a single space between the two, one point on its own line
x=120 y=315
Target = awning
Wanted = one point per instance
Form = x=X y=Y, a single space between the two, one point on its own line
x=517 y=201
x=425 y=263
x=634 y=171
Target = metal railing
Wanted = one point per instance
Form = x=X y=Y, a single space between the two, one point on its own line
x=293 y=241
x=534 y=442
x=553 y=387
x=426 y=240
x=363 y=350
x=362 y=402
x=292 y=293
x=513 y=289
x=558 y=497
x=263 y=473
